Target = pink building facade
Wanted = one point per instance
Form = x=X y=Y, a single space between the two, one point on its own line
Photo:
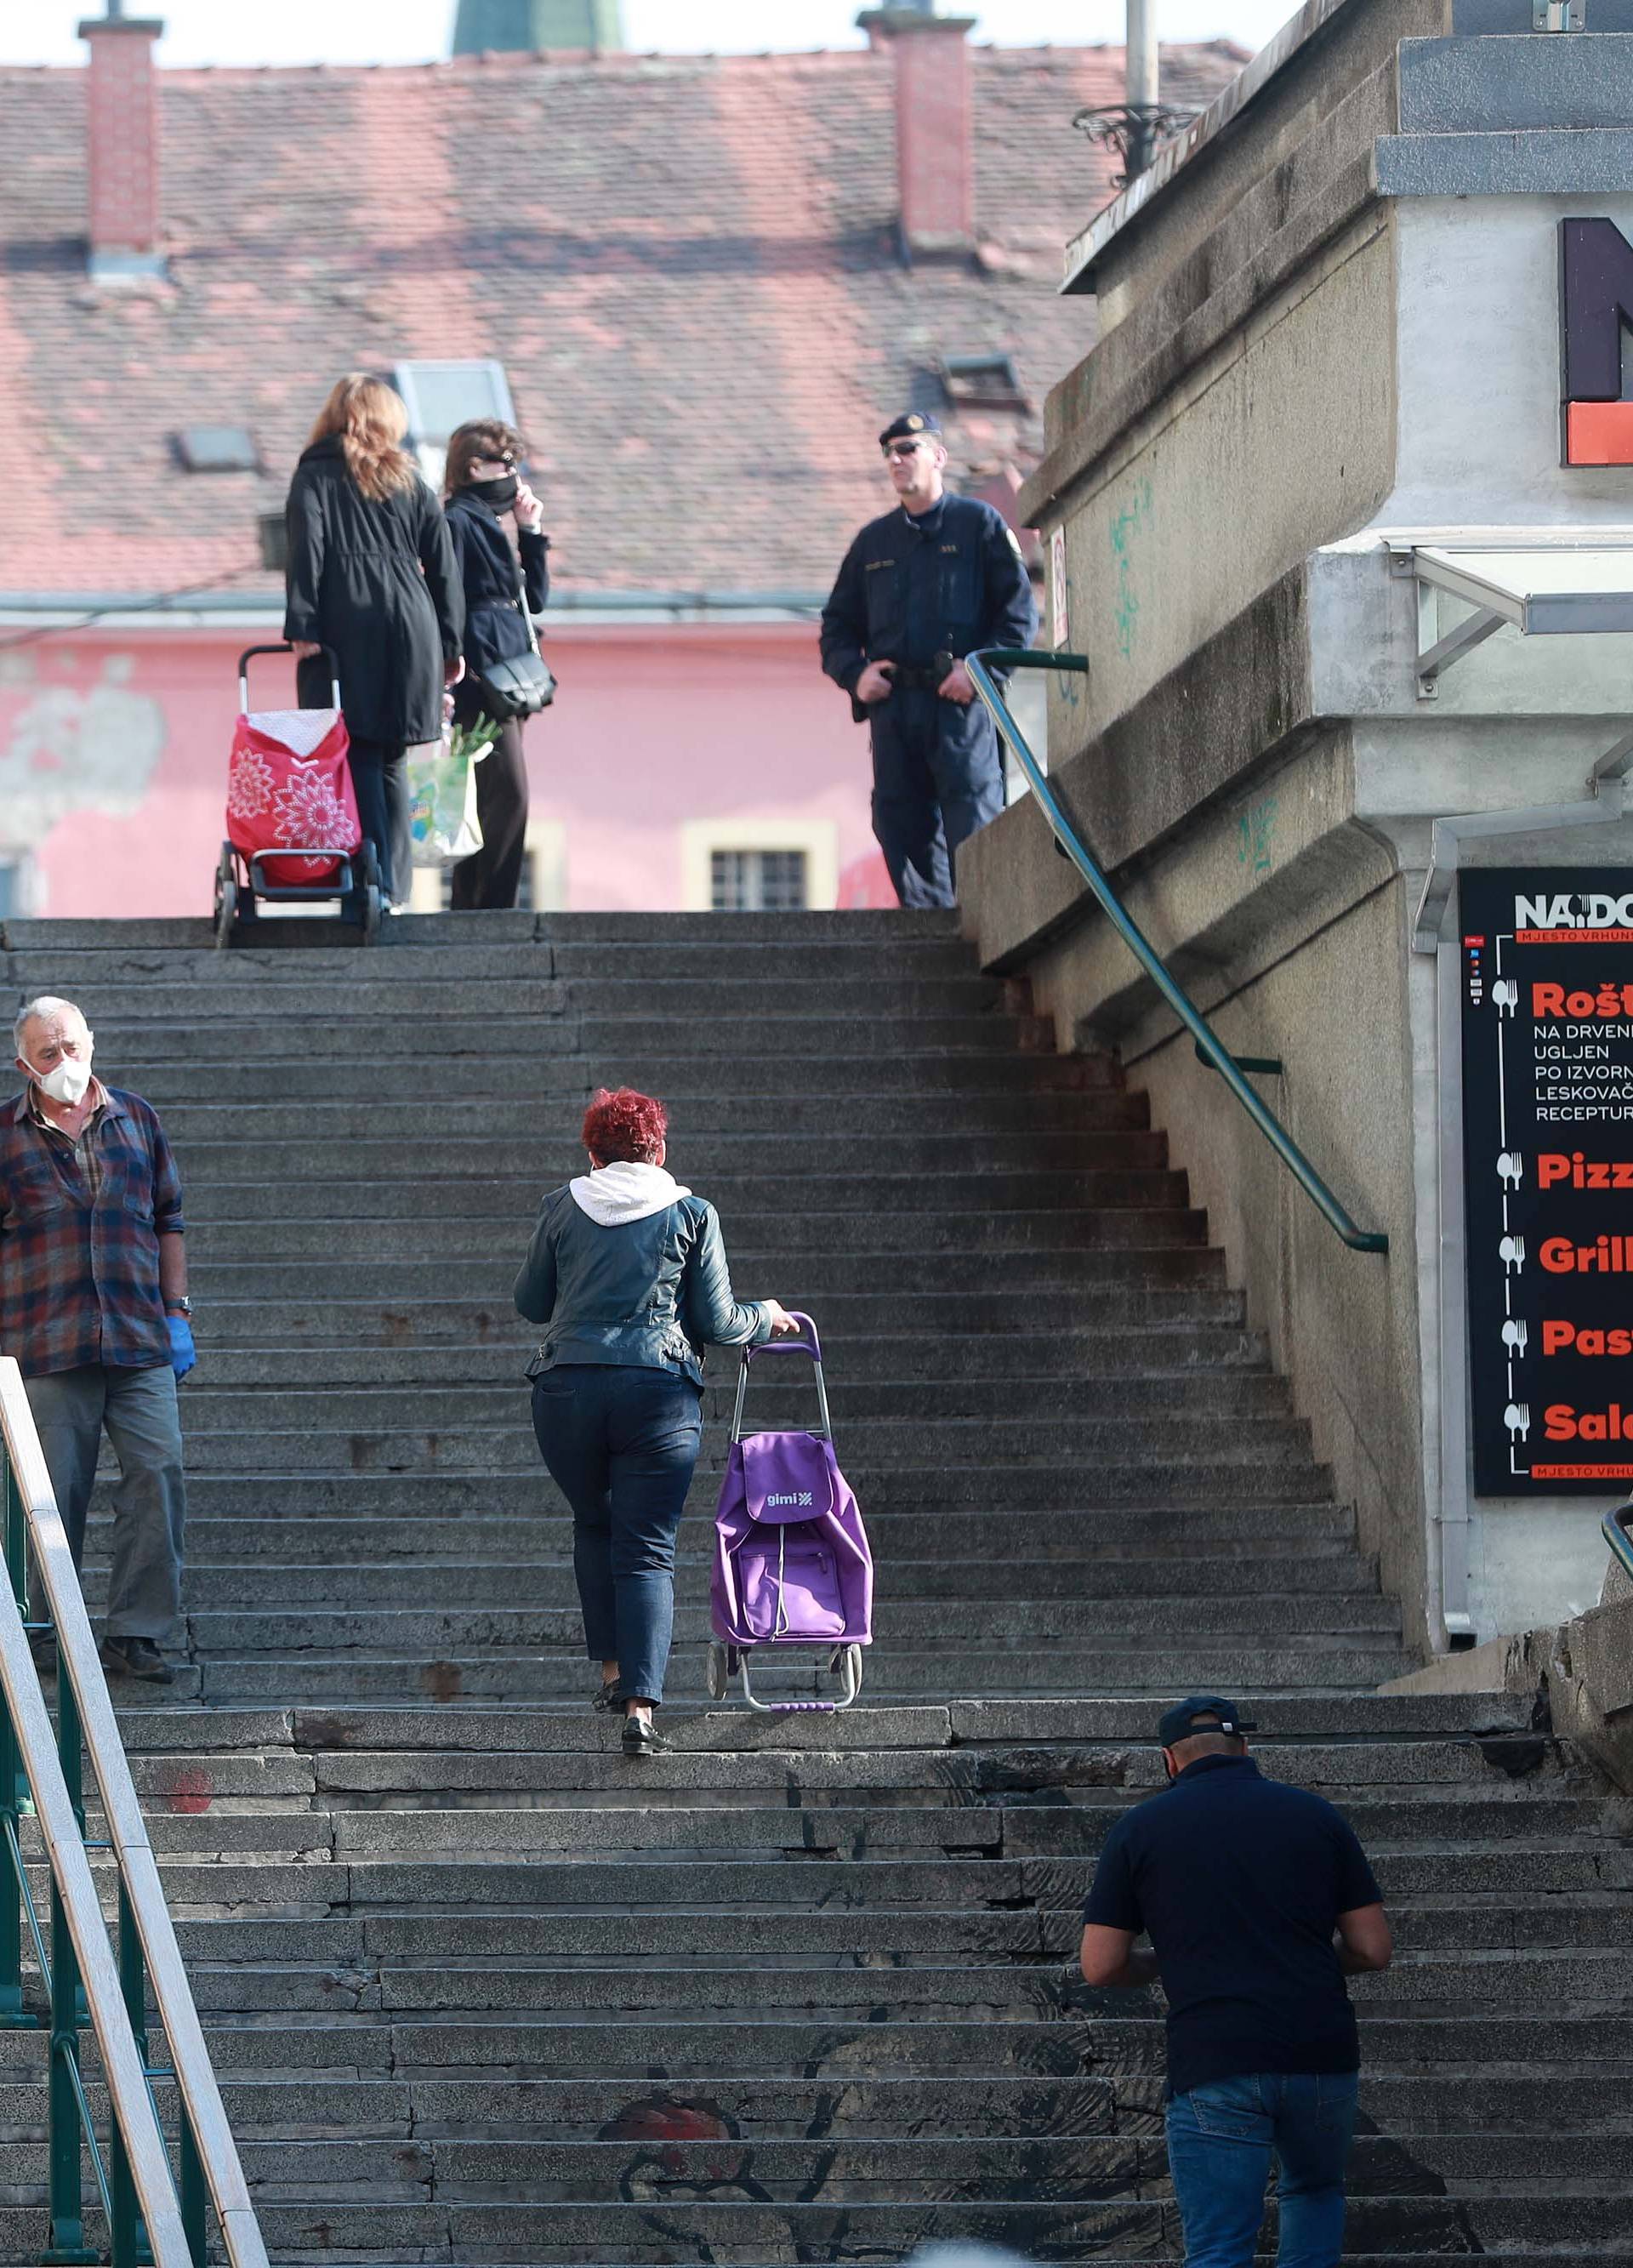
x=666 y=746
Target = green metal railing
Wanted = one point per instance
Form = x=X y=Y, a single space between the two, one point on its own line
x=1615 y=1525
x=1211 y=1051
x=153 y=2215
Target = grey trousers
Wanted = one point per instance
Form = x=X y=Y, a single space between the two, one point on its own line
x=138 y=1408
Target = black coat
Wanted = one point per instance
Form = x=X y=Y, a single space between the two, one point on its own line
x=494 y=627
x=376 y=582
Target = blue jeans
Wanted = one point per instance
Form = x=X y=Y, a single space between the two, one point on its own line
x=1222 y=2138
x=621 y=1445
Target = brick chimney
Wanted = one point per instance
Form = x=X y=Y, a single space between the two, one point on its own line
x=935 y=143
x=121 y=114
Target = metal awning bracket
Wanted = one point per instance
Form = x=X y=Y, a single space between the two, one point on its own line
x=1543 y=589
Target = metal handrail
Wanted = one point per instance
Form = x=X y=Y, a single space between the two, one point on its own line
x=114 y=1993
x=1213 y=1050
x=1616 y=1526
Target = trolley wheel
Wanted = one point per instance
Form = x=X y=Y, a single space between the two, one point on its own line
x=715 y=1678
x=847 y=1664
x=226 y=900
x=370 y=912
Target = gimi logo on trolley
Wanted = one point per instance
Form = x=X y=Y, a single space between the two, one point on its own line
x=804 y=1497
x=1595 y=303
x=1597 y=911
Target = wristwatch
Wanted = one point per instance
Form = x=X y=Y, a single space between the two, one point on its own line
x=181 y=1306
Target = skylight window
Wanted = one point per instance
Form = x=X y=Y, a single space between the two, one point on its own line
x=982 y=381
x=217 y=449
x=441 y=396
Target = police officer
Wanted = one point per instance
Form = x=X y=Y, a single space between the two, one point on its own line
x=919 y=589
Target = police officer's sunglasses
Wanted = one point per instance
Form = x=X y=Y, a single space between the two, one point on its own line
x=904 y=450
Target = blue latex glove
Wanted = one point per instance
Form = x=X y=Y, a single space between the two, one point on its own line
x=183 y=1353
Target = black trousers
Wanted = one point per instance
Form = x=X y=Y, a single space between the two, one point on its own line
x=379 y=779
x=493 y=875
x=937 y=776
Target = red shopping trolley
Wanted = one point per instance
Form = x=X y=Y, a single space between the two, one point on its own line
x=292 y=830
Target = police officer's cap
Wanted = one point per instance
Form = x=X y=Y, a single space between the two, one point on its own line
x=913 y=425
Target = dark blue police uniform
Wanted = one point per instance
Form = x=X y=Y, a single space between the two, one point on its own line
x=948 y=582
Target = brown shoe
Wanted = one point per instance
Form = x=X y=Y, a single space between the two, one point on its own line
x=138 y=1657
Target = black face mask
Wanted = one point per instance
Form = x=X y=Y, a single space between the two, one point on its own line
x=500 y=494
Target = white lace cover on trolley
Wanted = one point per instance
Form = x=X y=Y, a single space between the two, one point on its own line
x=298 y=730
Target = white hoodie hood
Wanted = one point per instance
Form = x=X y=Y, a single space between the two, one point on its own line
x=613 y=1195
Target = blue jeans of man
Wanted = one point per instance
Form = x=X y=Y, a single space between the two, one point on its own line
x=1223 y=2139
x=621 y=1444
x=937 y=776
x=138 y=1409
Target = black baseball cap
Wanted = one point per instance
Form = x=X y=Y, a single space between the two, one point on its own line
x=914 y=425
x=1180 y=1722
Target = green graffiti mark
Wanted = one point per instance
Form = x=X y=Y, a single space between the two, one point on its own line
x=1256 y=831
x=1135 y=515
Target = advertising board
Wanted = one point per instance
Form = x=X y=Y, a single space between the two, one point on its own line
x=1546 y=987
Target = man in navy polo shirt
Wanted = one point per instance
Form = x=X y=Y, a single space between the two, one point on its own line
x=1258 y=1900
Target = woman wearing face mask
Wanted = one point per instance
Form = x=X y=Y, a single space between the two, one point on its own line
x=484 y=490
x=371 y=575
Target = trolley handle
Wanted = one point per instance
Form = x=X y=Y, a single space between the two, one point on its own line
x=249 y=653
x=813 y=1348
x=809 y=1343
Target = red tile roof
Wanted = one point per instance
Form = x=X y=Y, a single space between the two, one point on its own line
x=687 y=265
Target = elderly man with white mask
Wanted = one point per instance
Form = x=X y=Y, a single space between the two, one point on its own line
x=94 y=1306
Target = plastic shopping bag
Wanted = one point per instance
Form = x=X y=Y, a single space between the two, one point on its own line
x=442 y=798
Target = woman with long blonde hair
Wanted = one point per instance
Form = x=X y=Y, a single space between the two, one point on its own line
x=372 y=577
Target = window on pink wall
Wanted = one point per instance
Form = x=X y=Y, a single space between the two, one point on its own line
x=758 y=882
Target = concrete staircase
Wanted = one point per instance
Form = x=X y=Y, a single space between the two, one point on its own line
x=481 y=1990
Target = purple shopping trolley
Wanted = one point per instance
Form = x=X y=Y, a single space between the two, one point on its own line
x=792 y=1565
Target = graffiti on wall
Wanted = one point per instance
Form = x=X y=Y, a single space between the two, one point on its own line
x=69 y=749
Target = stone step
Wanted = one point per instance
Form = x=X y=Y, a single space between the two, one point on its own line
x=648 y=2047
x=1424 y=2116
x=731 y=1165
x=709 y=1129
x=552 y=1155
x=1062 y=1492
x=882 y=929
x=249 y=967
x=214 y=1587
x=1316 y=1662
x=172 y=1028
x=903 y=1993
x=908 y=1366
x=877 y=1943
x=978 y=1329
x=566 y=1079
x=1094 y=1550
x=1014 y=1624
x=865 y=2171
x=467 y=1197
x=458 y=1268
x=432 y=989
x=872 y=1406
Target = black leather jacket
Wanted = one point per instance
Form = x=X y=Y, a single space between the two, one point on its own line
x=649 y=1294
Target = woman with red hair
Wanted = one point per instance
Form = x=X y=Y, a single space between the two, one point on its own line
x=627 y=1275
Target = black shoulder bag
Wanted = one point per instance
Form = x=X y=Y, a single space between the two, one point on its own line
x=522 y=685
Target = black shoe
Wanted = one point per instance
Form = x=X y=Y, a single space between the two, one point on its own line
x=642 y=1738
x=606 y=1695
x=138 y=1657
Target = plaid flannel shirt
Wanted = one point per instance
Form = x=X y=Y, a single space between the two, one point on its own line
x=79 y=1248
